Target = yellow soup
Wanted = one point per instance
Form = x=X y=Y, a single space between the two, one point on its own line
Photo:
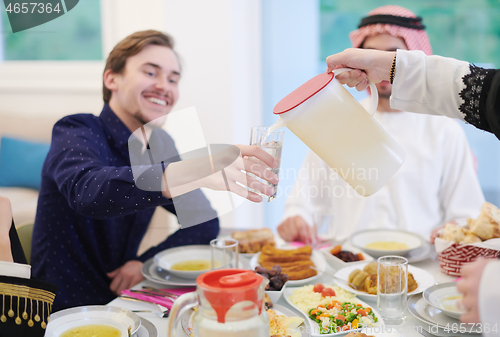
x=92 y=330
x=194 y=265
x=450 y=303
x=387 y=245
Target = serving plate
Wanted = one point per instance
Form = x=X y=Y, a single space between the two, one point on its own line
x=313 y=326
x=439 y=296
x=361 y=239
x=316 y=257
x=423 y=278
x=120 y=318
x=431 y=315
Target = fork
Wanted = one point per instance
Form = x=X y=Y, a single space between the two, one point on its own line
x=425 y=333
x=161 y=314
x=161 y=292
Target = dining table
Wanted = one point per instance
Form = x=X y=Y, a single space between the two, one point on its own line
x=411 y=327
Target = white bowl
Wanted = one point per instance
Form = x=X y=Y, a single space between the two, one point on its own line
x=275 y=295
x=337 y=263
x=361 y=239
x=119 y=318
x=439 y=295
x=167 y=258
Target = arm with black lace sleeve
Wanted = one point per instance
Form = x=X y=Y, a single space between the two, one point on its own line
x=438 y=85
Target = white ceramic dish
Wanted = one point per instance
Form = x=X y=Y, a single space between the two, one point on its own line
x=337 y=263
x=424 y=280
x=155 y=274
x=276 y=295
x=443 y=295
x=316 y=257
x=147 y=329
x=167 y=258
x=363 y=238
x=432 y=316
x=314 y=328
x=281 y=310
x=119 y=318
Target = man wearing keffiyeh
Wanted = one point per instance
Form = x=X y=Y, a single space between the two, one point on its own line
x=436 y=183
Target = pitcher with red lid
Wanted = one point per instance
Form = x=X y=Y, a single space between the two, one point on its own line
x=230 y=304
x=325 y=116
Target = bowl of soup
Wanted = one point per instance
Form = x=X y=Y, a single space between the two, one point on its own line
x=445 y=297
x=381 y=242
x=187 y=262
x=90 y=321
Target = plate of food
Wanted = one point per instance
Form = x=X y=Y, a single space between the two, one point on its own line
x=96 y=319
x=381 y=242
x=364 y=277
x=340 y=256
x=302 y=265
x=331 y=310
x=250 y=242
x=158 y=275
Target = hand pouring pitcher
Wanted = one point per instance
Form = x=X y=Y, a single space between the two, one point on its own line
x=339 y=130
x=230 y=304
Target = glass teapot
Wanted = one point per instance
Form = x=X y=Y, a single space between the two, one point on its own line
x=230 y=304
x=325 y=116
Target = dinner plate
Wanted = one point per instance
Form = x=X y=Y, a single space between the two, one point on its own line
x=66 y=319
x=431 y=315
x=313 y=326
x=147 y=329
x=420 y=254
x=442 y=295
x=423 y=278
x=316 y=257
x=363 y=238
x=156 y=274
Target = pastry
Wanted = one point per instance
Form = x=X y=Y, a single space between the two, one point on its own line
x=251 y=241
x=371 y=268
x=454 y=233
x=487 y=225
x=471 y=238
x=371 y=284
x=357 y=277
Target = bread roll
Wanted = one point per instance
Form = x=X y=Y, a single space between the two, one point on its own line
x=487 y=225
x=471 y=238
x=453 y=233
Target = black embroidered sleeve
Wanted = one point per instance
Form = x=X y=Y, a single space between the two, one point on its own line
x=475 y=93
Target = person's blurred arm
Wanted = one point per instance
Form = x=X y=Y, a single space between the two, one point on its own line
x=7 y=265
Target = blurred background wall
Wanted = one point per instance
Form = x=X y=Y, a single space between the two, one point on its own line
x=239 y=58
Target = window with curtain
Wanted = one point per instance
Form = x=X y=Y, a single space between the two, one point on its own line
x=74 y=36
x=462 y=29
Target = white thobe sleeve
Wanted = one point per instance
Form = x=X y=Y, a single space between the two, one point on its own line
x=489 y=297
x=307 y=197
x=428 y=84
x=460 y=193
x=13 y=269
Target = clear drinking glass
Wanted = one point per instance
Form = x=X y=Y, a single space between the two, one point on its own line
x=392 y=288
x=272 y=143
x=322 y=232
x=224 y=253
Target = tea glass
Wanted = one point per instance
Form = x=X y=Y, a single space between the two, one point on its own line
x=224 y=253
x=272 y=143
x=392 y=289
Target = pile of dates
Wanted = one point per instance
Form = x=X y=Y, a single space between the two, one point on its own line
x=276 y=278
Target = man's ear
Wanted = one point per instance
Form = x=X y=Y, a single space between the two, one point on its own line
x=110 y=79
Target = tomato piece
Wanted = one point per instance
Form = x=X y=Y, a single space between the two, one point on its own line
x=361 y=312
x=341 y=317
x=318 y=287
x=327 y=292
x=346 y=328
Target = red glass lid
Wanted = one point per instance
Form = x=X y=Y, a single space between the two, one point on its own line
x=303 y=93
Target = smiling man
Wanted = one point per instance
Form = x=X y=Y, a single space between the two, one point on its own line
x=92 y=214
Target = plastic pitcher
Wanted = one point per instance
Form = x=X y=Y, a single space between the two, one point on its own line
x=325 y=116
x=230 y=304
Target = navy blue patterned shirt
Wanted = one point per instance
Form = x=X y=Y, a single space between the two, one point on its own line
x=91 y=216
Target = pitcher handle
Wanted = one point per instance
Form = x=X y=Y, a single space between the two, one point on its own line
x=374 y=93
x=188 y=300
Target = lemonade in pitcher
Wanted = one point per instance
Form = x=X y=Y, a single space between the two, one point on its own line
x=341 y=132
